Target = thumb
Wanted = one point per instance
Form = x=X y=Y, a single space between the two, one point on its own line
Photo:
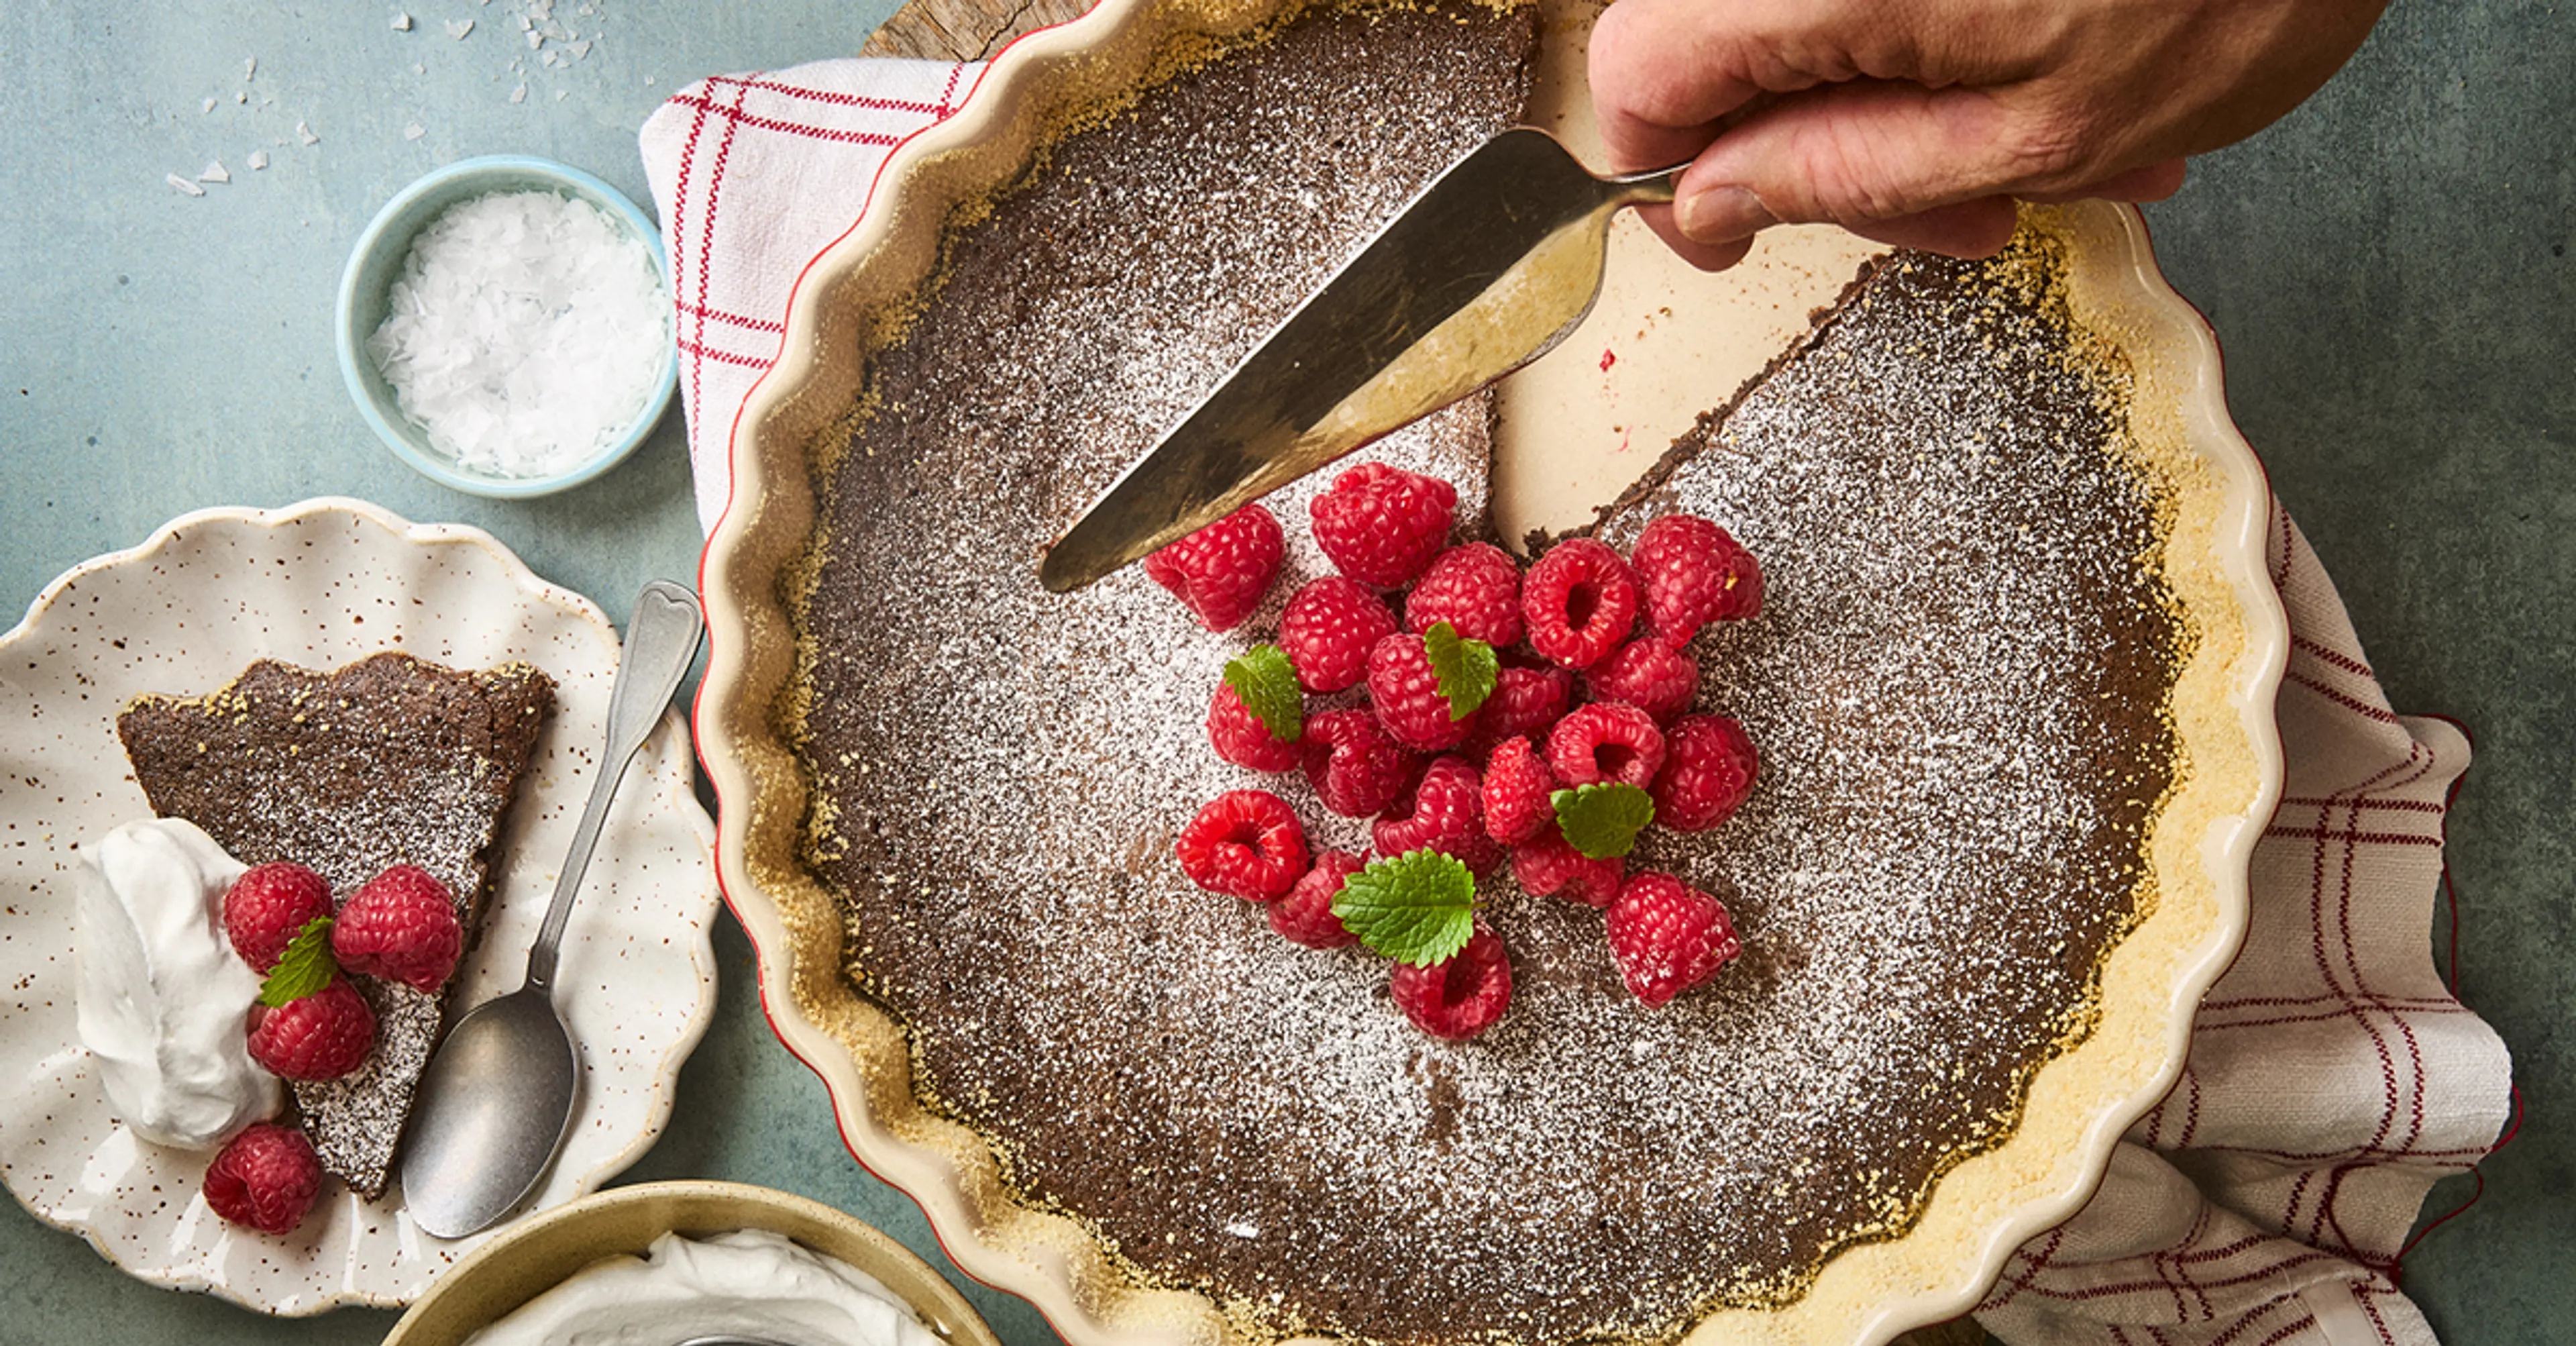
x=1867 y=155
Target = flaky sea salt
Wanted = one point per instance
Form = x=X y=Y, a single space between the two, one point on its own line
x=525 y=332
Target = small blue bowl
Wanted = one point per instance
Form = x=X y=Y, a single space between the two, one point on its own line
x=377 y=261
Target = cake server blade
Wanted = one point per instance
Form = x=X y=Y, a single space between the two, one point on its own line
x=1491 y=266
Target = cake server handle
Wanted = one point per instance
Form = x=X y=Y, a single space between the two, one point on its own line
x=661 y=639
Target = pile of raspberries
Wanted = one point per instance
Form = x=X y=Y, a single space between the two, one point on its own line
x=311 y=1023
x=1595 y=684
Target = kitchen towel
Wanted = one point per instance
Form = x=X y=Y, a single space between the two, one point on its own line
x=2333 y=1076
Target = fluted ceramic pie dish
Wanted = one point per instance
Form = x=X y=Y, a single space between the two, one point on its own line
x=858 y=293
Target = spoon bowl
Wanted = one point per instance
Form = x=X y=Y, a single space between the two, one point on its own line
x=472 y=1129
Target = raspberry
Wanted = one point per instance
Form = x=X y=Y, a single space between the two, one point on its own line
x=1459 y=998
x=1305 y=915
x=1693 y=573
x=1517 y=786
x=267 y=905
x=1579 y=601
x=264 y=1178
x=1245 y=842
x=1668 y=937
x=1328 y=629
x=1245 y=741
x=402 y=927
x=1407 y=697
x=1222 y=571
x=1545 y=864
x=1526 y=701
x=1709 y=765
x=322 y=1036
x=1476 y=589
x=1355 y=768
x=1652 y=676
x=1380 y=525
x=1606 y=740
x=1445 y=816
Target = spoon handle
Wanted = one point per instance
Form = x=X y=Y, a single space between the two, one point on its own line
x=661 y=639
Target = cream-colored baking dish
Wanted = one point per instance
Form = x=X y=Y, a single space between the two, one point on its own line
x=852 y=296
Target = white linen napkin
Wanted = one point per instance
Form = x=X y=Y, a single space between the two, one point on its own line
x=2333 y=1076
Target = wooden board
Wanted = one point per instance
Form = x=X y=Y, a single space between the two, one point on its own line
x=964 y=30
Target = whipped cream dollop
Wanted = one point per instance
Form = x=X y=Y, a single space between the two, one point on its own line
x=749 y=1281
x=164 y=1000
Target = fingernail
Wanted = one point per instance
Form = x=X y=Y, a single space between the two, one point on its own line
x=1722 y=214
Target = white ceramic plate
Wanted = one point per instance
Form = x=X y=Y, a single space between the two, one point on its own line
x=322 y=584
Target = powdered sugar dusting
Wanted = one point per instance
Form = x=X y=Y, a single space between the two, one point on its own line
x=1956 y=688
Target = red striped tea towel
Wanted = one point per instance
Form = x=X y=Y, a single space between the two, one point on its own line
x=753 y=175
x=2333 y=1077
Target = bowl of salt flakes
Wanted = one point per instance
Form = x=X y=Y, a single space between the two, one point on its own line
x=505 y=326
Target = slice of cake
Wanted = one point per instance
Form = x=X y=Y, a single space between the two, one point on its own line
x=391 y=760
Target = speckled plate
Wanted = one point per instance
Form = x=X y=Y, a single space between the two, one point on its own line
x=322 y=584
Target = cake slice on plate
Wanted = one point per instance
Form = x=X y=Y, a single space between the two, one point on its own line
x=391 y=760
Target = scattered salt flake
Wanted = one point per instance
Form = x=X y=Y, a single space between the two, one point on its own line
x=561 y=93
x=581 y=49
x=182 y=186
x=535 y=40
x=549 y=60
x=418 y=69
x=250 y=66
x=520 y=94
x=214 y=172
x=402 y=23
x=242 y=96
x=526 y=23
x=1244 y=1229
x=415 y=131
x=525 y=332
x=458 y=28
x=305 y=134
x=210 y=105
x=258 y=160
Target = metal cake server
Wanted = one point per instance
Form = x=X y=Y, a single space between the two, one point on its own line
x=498 y=1095
x=1491 y=266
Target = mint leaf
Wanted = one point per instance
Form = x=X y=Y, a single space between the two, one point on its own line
x=306 y=967
x=1418 y=907
x=1465 y=669
x=1603 y=820
x=1267 y=682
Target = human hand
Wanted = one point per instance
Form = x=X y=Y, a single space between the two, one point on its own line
x=1920 y=122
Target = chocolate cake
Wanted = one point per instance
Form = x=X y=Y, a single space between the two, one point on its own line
x=391 y=760
x=1959 y=685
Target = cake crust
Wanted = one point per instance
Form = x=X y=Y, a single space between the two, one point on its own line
x=390 y=760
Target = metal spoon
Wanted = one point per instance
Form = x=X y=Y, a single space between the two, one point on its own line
x=498 y=1096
